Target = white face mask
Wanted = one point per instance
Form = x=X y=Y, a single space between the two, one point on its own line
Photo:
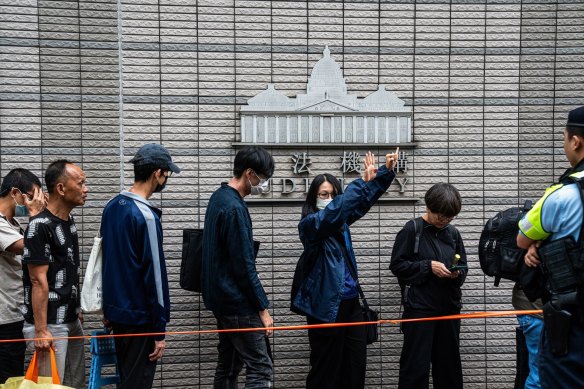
x=322 y=203
x=261 y=187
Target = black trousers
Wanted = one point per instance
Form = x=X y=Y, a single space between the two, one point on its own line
x=135 y=368
x=338 y=356
x=11 y=354
x=434 y=343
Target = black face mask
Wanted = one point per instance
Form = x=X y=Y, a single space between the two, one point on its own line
x=160 y=187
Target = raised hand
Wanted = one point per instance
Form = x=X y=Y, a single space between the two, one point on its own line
x=391 y=159
x=369 y=170
x=37 y=203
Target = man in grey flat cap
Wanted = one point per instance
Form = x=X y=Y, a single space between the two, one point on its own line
x=135 y=283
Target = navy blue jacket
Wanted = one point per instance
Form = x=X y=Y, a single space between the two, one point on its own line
x=320 y=294
x=135 y=282
x=230 y=281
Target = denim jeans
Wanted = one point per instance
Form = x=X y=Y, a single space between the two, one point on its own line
x=532 y=327
x=242 y=348
x=69 y=353
x=11 y=354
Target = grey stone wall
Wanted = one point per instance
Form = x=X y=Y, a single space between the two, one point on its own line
x=489 y=82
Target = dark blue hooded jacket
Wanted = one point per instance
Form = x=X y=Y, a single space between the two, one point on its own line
x=320 y=294
x=135 y=282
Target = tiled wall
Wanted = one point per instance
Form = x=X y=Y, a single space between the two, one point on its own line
x=489 y=83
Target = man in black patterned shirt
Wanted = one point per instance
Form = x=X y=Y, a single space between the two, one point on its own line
x=51 y=275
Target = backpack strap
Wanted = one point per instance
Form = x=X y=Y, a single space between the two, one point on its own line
x=575 y=178
x=455 y=235
x=418 y=229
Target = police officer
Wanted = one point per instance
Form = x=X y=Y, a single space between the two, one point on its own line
x=551 y=232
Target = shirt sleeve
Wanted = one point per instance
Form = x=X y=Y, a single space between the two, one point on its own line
x=8 y=235
x=36 y=243
x=404 y=264
x=151 y=272
x=345 y=208
x=550 y=213
x=463 y=259
x=241 y=251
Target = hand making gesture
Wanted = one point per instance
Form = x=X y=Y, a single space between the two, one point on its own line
x=369 y=169
x=391 y=159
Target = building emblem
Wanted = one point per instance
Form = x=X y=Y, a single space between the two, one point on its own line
x=326 y=113
x=326 y=116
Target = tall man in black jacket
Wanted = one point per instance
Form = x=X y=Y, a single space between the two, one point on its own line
x=230 y=283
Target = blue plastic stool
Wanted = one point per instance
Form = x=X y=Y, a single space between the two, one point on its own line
x=103 y=354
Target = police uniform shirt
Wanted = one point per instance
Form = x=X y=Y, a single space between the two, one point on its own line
x=556 y=215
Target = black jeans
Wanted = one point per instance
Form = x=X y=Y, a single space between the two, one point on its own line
x=563 y=371
x=338 y=356
x=430 y=342
x=242 y=348
x=11 y=354
x=135 y=368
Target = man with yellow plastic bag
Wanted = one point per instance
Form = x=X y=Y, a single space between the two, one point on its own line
x=51 y=275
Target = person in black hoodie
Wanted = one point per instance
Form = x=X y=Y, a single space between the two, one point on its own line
x=429 y=260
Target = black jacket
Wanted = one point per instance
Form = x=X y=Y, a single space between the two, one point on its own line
x=230 y=281
x=427 y=292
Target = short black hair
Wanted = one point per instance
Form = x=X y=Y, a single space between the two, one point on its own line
x=256 y=158
x=22 y=179
x=575 y=131
x=143 y=172
x=310 y=203
x=55 y=171
x=443 y=199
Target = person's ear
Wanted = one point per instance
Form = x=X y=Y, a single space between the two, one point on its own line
x=576 y=142
x=156 y=174
x=60 y=189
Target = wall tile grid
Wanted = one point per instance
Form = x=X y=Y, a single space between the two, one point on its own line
x=489 y=82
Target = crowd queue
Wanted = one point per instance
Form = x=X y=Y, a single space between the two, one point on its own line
x=39 y=294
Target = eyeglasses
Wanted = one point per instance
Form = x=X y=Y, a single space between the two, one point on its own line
x=262 y=180
x=445 y=219
x=29 y=196
x=326 y=195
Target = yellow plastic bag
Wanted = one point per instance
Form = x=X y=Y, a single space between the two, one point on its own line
x=32 y=380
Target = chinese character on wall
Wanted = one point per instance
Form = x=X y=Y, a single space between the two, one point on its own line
x=351 y=162
x=301 y=163
x=402 y=163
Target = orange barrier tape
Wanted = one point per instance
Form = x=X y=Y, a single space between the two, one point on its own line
x=462 y=316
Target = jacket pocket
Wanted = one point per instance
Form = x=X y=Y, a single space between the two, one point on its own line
x=408 y=296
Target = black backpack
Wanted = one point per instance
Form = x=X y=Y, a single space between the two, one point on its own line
x=499 y=255
x=191 y=264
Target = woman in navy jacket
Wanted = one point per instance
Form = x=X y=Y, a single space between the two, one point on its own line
x=329 y=293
